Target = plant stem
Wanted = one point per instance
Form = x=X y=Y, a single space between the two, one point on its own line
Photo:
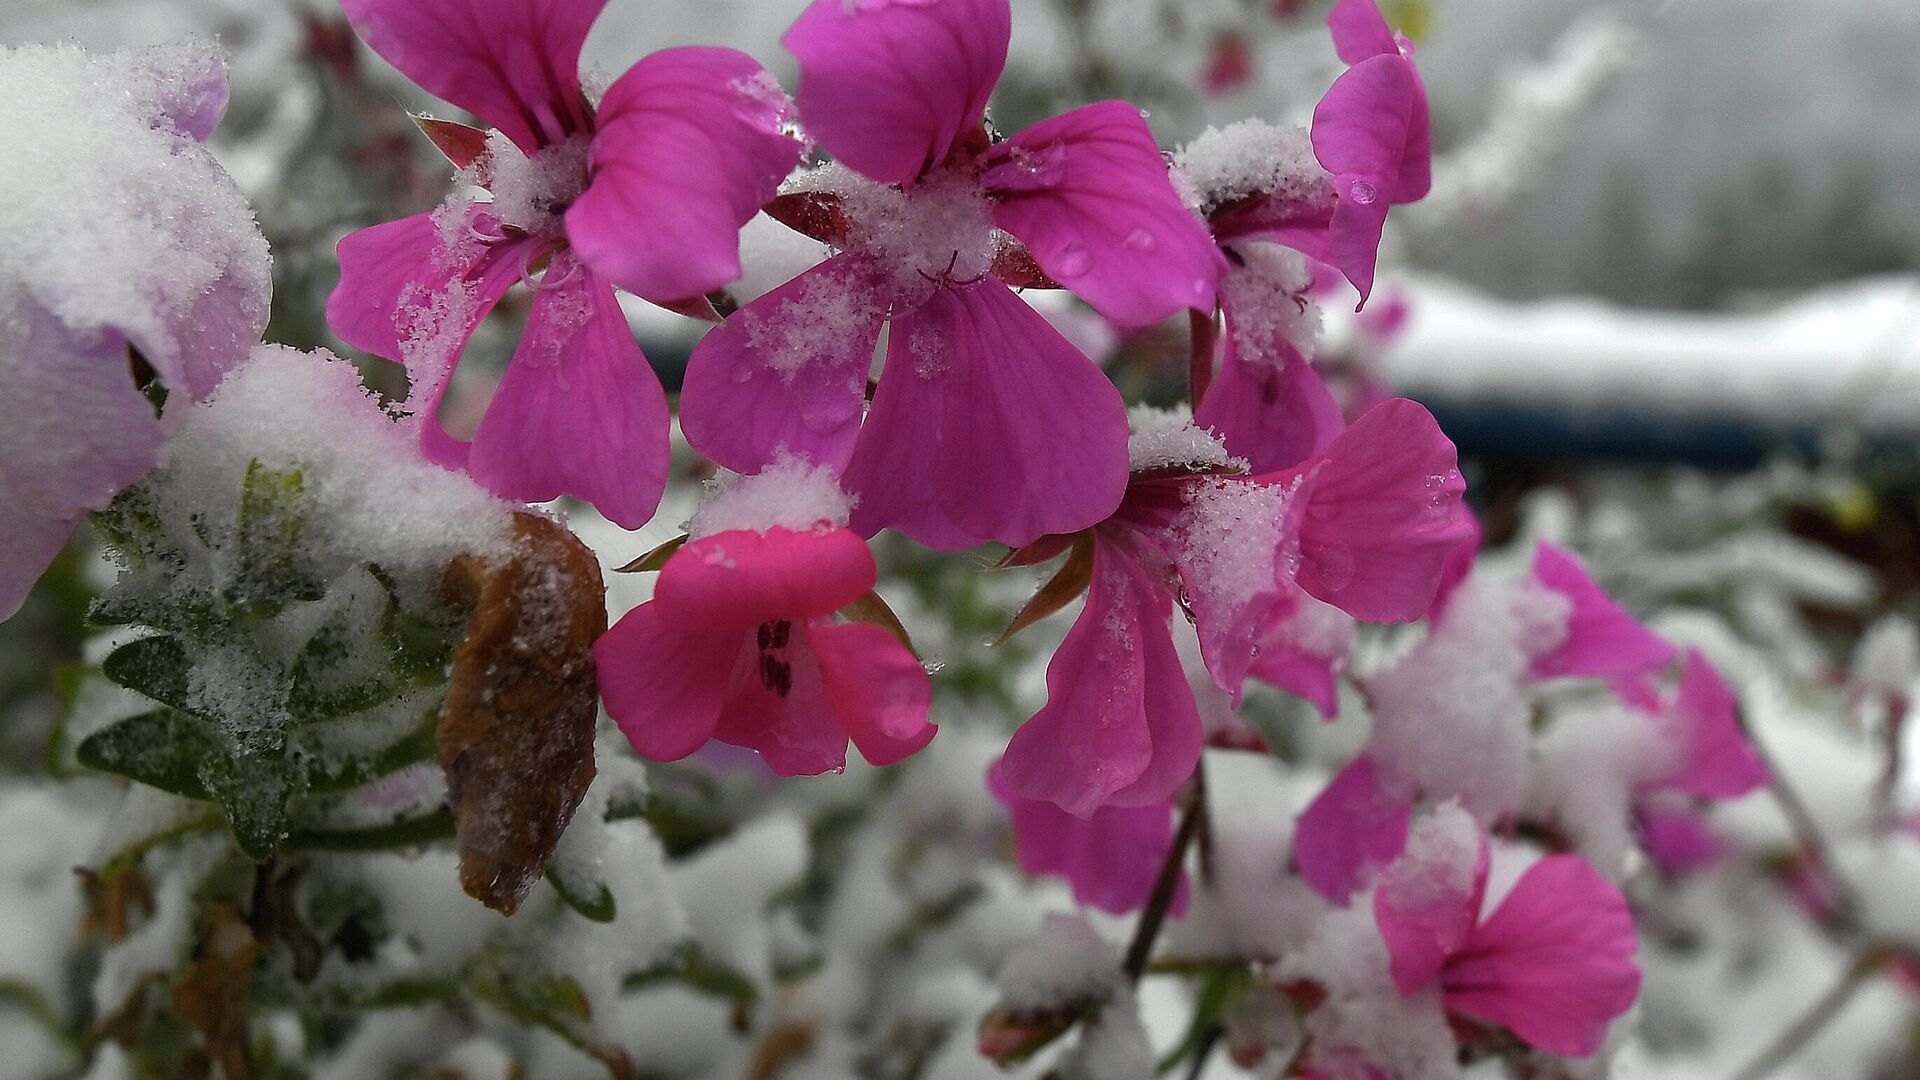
x=1167 y=884
x=1200 y=1056
x=1204 y=332
x=1797 y=1036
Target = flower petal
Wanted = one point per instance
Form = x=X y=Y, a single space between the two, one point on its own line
x=785 y=717
x=1360 y=31
x=1031 y=438
x=1720 y=763
x=889 y=86
x=878 y=692
x=664 y=681
x=1352 y=827
x=1303 y=648
x=1602 y=641
x=1112 y=723
x=1381 y=514
x=688 y=146
x=1273 y=410
x=412 y=291
x=787 y=372
x=1088 y=193
x=513 y=63
x=1111 y=859
x=1554 y=963
x=579 y=412
x=1429 y=900
x=740 y=579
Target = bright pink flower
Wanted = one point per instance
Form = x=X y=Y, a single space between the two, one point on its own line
x=1716 y=761
x=739 y=644
x=1553 y=963
x=987 y=424
x=1602 y=640
x=1365 y=527
x=1355 y=824
x=1678 y=840
x=1373 y=136
x=647 y=191
x=1111 y=858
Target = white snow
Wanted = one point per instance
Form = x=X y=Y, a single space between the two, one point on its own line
x=1168 y=438
x=1250 y=157
x=790 y=493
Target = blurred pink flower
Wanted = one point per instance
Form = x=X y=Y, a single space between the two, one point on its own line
x=1111 y=858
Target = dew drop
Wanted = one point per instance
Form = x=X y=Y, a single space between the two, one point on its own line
x=1364 y=193
x=1141 y=240
x=1074 y=260
x=1334 y=567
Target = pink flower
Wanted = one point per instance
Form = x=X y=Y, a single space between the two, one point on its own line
x=1553 y=963
x=1111 y=857
x=739 y=644
x=186 y=291
x=1602 y=640
x=1373 y=137
x=1365 y=527
x=1714 y=760
x=987 y=423
x=646 y=191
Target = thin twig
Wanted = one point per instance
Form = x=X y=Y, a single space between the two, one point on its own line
x=1839 y=893
x=1796 y=1037
x=1205 y=1051
x=1204 y=333
x=1166 y=886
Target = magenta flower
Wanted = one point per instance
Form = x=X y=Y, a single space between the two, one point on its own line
x=1364 y=527
x=1360 y=820
x=1111 y=858
x=1713 y=758
x=739 y=644
x=1553 y=963
x=186 y=290
x=987 y=423
x=646 y=191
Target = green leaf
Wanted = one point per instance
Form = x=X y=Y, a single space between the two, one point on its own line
x=416 y=746
x=272 y=522
x=156 y=666
x=163 y=749
x=592 y=899
x=403 y=833
x=254 y=791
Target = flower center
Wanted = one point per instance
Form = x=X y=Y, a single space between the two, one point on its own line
x=776 y=673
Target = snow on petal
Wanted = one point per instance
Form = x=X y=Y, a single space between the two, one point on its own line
x=1553 y=963
x=787 y=372
x=688 y=146
x=579 y=412
x=888 y=88
x=1380 y=513
x=1088 y=193
x=1429 y=898
x=1303 y=648
x=1096 y=736
x=513 y=63
x=1268 y=402
x=878 y=692
x=1031 y=438
x=1602 y=640
x=741 y=579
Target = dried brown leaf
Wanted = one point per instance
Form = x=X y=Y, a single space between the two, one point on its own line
x=873 y=611
x=1037 y=552
x=462 y=145
x=1070 y=581
x=516 y=730
x=818 y=214
x=655 y=559
x=212 y=994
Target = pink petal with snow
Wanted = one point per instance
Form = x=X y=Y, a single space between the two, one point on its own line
x=1111 y=859
x=1423 y=921
x=191 y=99
x=687 y=147
x=1602 y=641
x=1030 y=438
x=579 y=412
x=1354 y=826
x=513 y=63
x=664 y=681
x=1302 y=650
x=787 y=372
x=1553 y=963
x=779 y=708
x=1381 y=514
x=413 y=292
x=1099 y=735
x=1679 y=840
x=878 y=692
x=1089 y=195
x=1719 y=761
x=1275 y=413
x=740 y=579
x=889 y=86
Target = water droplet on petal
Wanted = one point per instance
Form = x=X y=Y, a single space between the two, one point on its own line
x=1141 y=240
x=1363 y=192
x=1074 y=260
x=1334 y=568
